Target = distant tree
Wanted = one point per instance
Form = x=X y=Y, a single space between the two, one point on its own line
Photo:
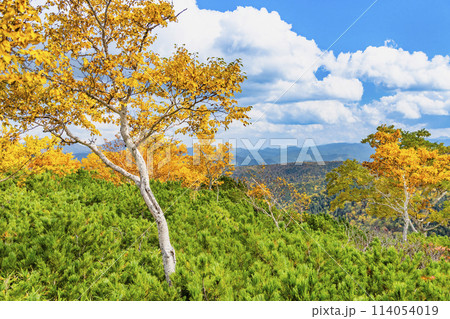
x=278 y=199
x=405 y=179
x=33 y=155
x=212 y=161
x=17 y=157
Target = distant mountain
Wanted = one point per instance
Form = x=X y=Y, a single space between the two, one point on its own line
x=269 y=155
x=79 y=151
x=328 y=153
x=308 y=177
x=344 y=151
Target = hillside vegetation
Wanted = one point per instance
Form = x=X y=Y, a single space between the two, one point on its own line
x=75 y=237
x=309 y=177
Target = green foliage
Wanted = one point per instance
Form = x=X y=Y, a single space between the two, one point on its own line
x=77 y=237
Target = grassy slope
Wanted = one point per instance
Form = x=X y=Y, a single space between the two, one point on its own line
x=59 y=237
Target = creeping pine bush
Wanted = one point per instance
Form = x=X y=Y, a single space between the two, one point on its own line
x=79 y=238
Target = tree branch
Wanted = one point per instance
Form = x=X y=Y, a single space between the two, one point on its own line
x=106 y=160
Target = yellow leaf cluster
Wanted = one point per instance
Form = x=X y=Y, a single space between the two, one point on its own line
x=55 y=161
x=168 y=160
x=212 y=161
x=32 y=156
x=18 y=23
x=99 y=170
x=411 y=167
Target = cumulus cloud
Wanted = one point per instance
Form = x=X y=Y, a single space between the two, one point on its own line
x=372 y=115
x=414 y=104
x=282 y=85
x=394 y=68
x=274 y=56
x=308 y=112
x=331 y=87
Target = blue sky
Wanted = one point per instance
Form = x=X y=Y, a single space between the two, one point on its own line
x=415 y=25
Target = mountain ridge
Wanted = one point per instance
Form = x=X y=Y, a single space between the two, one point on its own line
x=273 y=155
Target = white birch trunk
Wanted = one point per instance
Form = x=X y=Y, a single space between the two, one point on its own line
x=143 y=183
x=405 y=211
x=405 y=230
x=167 y=251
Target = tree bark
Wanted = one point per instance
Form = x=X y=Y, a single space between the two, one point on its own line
x=167 y=251
x=405 y=230
x=405 y=211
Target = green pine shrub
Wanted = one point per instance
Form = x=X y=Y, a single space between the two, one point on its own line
x=81 y=238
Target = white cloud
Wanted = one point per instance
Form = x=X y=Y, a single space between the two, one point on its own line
x=395 y=68
x=274 y=56
x=413 y=104
x=197 y=29
x=308 y=112
x=331 y=87
x=321 y=134
x=281 y=65
x=440 y=132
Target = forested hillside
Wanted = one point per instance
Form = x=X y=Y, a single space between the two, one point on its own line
x=308 y=177
x=76 y=237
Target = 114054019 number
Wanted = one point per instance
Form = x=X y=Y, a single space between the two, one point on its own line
x=380 y=310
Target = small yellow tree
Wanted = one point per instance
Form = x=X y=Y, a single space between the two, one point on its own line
x=212 y=161
x=406 y=178
x=281 y=200
x=17 y=158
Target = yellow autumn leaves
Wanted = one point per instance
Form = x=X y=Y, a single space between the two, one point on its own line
x=166 y=161
x=33 y=155
x=412 y=167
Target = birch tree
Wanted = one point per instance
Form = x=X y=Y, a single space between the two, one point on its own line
x=402 y=181
x=97 y=69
